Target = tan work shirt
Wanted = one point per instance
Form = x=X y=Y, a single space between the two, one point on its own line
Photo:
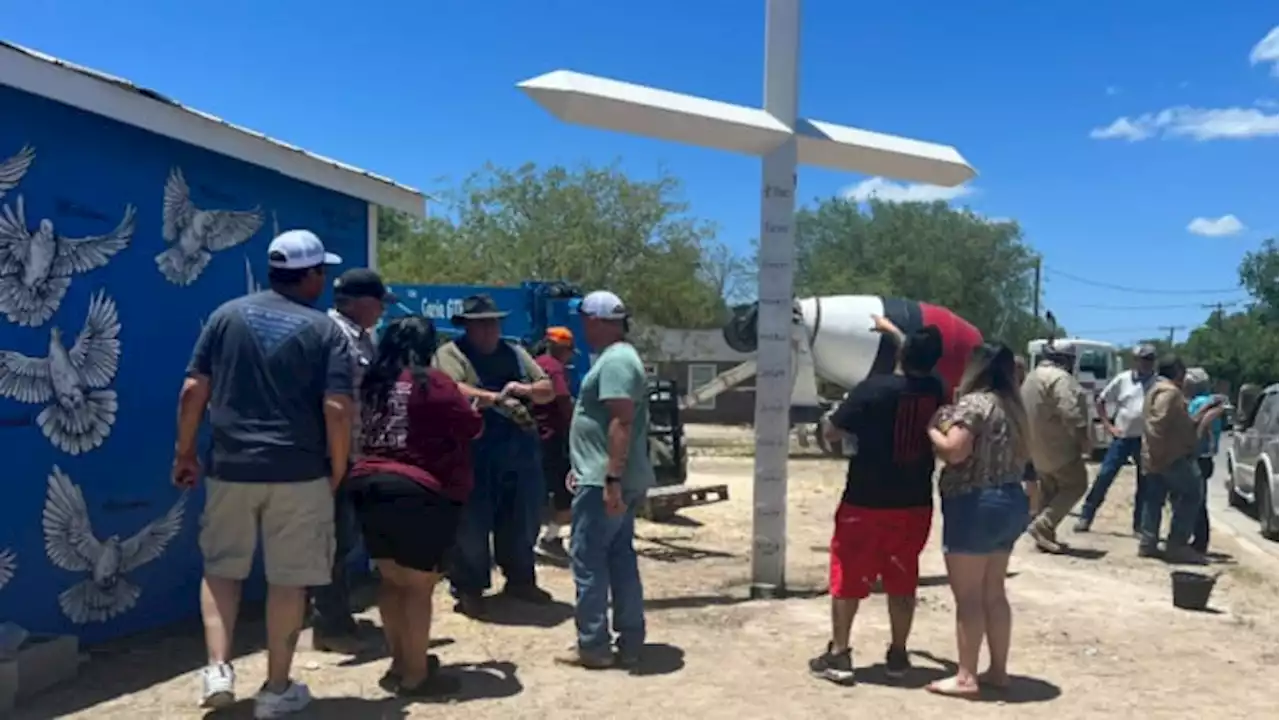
x=1058 y=415
x=1169 y=433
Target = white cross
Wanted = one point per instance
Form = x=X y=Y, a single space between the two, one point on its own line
x=783 y=140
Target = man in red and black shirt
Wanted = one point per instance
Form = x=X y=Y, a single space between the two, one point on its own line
x=553 y=427
x=883 y=520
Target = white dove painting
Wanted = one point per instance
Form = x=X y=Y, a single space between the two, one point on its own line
x=71 y=545
x=71 y=382
x=36 y=267
x=8 y=566
x=194 y=234
x=14 y=168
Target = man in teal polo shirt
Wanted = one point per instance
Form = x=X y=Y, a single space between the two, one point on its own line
x=611 y=472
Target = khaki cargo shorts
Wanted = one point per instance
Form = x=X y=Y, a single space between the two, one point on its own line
x=296 y=522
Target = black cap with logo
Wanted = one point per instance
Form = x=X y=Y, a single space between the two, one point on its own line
x=362 y=283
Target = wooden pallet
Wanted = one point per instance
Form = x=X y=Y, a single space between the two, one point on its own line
x=662 y=503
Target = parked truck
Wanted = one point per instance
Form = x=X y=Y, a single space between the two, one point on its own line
x=534 y=307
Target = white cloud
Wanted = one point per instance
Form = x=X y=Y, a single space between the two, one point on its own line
x=1267 y=50
x=1113 y=90
x=1216 y=227
x=889 y=191
x=1199 y=124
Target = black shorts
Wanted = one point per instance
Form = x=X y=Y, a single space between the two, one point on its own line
x=555 y=466
x=404 y=521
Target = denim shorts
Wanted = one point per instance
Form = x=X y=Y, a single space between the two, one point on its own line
x=985 y=521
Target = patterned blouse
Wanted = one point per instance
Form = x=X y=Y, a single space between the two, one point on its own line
x=995 y=459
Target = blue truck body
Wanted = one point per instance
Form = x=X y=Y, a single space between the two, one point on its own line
x=534 y=307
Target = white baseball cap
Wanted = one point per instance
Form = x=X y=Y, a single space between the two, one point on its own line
x=299 y=250
x=603 y=305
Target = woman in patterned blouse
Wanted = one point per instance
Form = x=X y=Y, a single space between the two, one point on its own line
x=982 y=438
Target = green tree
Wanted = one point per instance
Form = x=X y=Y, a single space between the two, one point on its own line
x=923 y=251
x=591 y=226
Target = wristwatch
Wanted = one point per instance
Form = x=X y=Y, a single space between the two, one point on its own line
x=612 y=480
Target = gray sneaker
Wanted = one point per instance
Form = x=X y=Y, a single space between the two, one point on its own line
x=218 y=685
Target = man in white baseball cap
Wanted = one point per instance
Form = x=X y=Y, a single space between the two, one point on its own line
x=275 y=375
x=611 y=473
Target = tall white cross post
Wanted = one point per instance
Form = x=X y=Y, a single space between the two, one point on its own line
x=783 y=140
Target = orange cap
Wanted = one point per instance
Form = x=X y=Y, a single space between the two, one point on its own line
x=560 y=335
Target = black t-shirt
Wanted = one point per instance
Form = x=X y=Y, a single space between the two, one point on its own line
x=889 y=415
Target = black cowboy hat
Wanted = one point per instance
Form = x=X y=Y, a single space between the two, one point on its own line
x=478 y=307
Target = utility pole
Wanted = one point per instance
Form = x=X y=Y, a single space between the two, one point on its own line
x=1035 y=298
x=1172 y=329
x=1219 y=309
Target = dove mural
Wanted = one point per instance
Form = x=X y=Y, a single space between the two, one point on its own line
x=13 y=169
x=194 y=234
x=36 y=267
x=71 y=382
x=8 y=566
x=71 y=545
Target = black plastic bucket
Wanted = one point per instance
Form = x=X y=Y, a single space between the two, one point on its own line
x=1191 y=590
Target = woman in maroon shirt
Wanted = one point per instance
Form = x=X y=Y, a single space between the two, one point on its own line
x=408 y=488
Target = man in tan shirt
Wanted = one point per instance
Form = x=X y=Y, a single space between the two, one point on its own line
x=1169 y=444
x=1059 y=418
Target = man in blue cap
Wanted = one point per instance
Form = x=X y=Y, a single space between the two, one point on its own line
x=507 y=500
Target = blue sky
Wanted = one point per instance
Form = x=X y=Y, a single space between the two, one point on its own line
x=1105 y=129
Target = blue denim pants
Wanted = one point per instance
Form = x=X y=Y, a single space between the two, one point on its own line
x=1180 y=483
x=1121 y=449
x=603 y=557
x=506 y=504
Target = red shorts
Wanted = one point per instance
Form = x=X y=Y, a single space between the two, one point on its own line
x=871 y=543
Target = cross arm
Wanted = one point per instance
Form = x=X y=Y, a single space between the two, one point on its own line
x=640 y=110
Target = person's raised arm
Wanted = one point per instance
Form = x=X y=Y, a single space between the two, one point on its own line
x=539 y=389
x=339 y=389
x=450 y=361
x=952 y=433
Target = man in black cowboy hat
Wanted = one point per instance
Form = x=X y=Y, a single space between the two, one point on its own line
x=509 y=492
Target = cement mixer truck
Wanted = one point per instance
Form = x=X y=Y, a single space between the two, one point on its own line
x=832 y=342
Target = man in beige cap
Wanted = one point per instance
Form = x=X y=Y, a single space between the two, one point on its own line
x=1059 y=418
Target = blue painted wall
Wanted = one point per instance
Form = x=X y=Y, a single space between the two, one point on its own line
x=86 y=171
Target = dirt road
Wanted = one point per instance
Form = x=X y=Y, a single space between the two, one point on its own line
x=1094 y=635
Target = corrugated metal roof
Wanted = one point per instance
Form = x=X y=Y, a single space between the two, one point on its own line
x=161 y=98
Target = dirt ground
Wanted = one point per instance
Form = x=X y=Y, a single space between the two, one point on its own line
x=1094 y=634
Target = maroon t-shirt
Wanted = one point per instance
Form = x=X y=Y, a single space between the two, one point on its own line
x=554 y=417
x=423 y=432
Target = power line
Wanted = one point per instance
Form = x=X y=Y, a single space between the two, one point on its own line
x=1175 y=306
x=1136 y=291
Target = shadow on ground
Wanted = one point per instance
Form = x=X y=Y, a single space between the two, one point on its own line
x=1022 y=688
x=692 y=602
x=667 y=551
x=502 y=610
x=480 y=681
x=135 y=663
x=659 y=659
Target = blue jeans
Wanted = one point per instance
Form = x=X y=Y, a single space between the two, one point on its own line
x=603 y=556
x=331 y=604
x=1121 y=449
x=1181 y=484
x=985 y=521
x=505 y=503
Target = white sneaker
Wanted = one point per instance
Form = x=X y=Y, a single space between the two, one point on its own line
x=218 y=685
x=268 y=704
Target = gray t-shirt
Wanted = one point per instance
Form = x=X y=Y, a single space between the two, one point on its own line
x=617 y=374
x=270 y=361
